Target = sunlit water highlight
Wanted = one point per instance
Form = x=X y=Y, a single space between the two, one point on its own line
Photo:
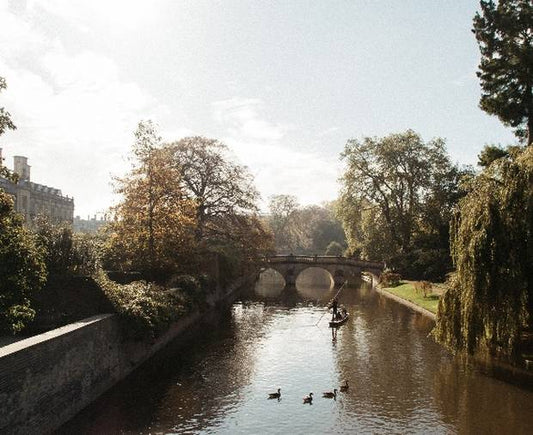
x=217 y=382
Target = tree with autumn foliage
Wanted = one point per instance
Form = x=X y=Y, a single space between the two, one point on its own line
x=153 y=227
x=209 y=176
x=225 y=202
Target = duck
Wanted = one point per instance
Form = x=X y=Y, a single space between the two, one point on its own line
x=276 y=395
x=330 y=394
x=344 y=387
x=309 y=398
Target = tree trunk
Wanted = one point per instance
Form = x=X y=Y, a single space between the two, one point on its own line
x=530 y=128
x=529 y=93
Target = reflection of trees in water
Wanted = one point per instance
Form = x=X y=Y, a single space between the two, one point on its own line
x=474 y=403
x=212 y=383
x=385 y=360
x=183 y=383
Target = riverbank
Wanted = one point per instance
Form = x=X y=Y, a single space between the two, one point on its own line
x=48 y=378
x=406 y=294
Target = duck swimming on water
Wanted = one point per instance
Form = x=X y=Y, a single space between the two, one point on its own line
x=309 y=398
x=330 y=394
x=276 y=395
x=344 y=387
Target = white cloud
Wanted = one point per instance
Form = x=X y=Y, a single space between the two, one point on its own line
x=75 y=116
x=240 y=117
x=115 y=15
x=265 y=148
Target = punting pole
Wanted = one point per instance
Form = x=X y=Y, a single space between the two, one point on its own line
x=337 y=294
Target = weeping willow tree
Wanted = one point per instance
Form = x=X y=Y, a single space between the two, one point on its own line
x=491 y=296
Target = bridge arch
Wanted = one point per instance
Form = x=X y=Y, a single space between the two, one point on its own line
x=271 y=276
x=325 y=277
x=340 y=268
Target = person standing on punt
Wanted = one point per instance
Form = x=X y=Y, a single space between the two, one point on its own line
x=334 y=306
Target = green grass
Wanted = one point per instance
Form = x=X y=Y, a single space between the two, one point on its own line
x=407 y=291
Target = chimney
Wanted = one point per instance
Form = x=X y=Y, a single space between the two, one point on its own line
x=21 y=167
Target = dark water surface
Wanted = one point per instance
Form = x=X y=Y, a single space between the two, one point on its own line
x=218 y=379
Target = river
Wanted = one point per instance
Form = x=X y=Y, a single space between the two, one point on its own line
x=217 y=379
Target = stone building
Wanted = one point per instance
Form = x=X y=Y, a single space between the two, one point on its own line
x=89 y=225
x=32 y=199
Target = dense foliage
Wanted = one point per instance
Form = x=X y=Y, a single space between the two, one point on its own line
x=182 y=202
x=218 y=186
x=396 y=201
x=225 y=209
x=153 y=226
x=491 y=295
x=22 y=268
x=148 y=309
x=5 y=118
x=504 y=31
x=65 y=252
x=304 y=230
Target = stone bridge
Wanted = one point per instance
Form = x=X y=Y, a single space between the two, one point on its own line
x=340 y=268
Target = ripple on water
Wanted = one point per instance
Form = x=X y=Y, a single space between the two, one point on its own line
x=400 y=381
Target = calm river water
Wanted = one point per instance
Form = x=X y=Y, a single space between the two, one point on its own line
x=217 y=380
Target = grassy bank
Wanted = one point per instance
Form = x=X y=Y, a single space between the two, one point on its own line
x=406 y=290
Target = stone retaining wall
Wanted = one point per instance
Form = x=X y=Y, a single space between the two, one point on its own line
x=46 y=379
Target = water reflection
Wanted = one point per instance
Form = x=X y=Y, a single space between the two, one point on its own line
x=218 y=380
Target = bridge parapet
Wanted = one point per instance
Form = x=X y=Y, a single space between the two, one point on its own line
x=325 y=259
x=340 y=268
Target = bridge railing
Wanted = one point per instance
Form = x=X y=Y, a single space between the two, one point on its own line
x=324 y=259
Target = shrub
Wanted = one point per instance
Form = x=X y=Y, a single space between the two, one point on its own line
x=423 y=264
x=423 y=287
x=190 y=287
x=146 y=308
x=22 y=268
x=390 y=279
x=67 y=253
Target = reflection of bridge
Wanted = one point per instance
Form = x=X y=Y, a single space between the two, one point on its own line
x=340 y=268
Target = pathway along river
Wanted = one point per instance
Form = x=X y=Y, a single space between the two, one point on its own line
x=217 y=381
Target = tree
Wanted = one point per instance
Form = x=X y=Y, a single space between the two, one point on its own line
x=282 y=219
x=397 y=196
x=22 y=269
x=491 y=296
x=218 y=186
x=5 y=118
x=504 y=32
x=490 y=153
x=5 y=124
x=320 y=227
x=303 y=230
x=153 y=225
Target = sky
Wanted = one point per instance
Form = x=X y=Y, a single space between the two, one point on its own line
x=284 y=84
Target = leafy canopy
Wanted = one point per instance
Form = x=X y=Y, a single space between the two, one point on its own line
x=491 y=298
x=504 y=32
x=153 y=223
x=22 y=268
x=218 y=186
x=5 y=124
x=396 y=200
